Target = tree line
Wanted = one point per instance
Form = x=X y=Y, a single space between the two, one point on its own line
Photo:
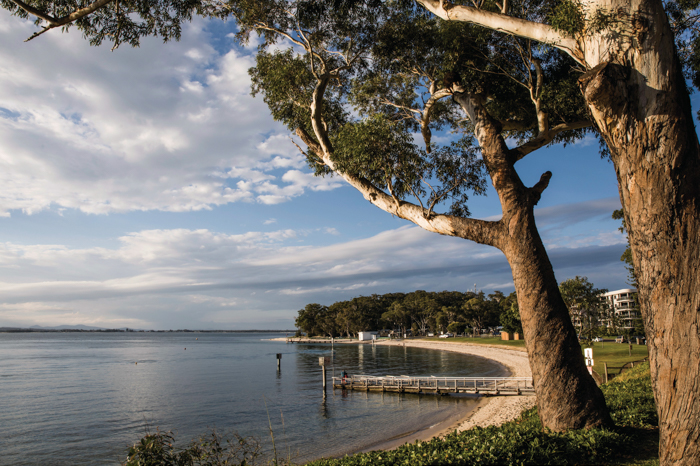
x=419 y=313
x=422 y=312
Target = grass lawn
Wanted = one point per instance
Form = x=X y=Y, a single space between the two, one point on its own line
x=615 y=354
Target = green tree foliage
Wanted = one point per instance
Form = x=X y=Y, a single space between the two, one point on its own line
x=214 y=449
x=421 y=311
x=309 y=319
x=510 y=315
x=585 y=303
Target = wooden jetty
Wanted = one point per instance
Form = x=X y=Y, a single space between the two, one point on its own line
x=438 y=385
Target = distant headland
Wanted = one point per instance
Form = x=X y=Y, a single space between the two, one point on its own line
x=84 y=328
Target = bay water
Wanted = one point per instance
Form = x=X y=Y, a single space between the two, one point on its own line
x=84 y=398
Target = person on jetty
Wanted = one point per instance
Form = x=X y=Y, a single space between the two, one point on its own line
x=343 y=375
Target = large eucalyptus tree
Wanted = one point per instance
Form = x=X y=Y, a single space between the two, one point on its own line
x=403 y=71
x=535 y=71
x=634 y=88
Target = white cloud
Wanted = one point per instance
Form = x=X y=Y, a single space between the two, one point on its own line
x=163 y=127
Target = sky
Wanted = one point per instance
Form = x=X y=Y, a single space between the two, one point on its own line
x=146 y=188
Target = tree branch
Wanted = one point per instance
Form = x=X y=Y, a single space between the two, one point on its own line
x=308 y=140
x=500 y=22
x=53 y=22
x=33 y=11
x=536 y=191
x=480 y=231
x=425 y=118
x=545 y=138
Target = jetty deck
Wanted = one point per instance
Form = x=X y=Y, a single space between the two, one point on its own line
x=438 y=385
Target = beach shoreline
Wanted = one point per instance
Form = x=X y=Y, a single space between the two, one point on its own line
x=490 y=410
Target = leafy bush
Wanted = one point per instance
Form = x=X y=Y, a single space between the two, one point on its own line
x=523 y=441
x=631 y=400
x=212 y=450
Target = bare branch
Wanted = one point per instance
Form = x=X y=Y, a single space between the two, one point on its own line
x=535 y=94
x=425 y=119
x=545 y=138
x=308 y=140
x=500 y=22
x=400 y=107
x=54 y=23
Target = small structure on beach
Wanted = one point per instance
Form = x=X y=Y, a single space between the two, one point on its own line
x=366 y=336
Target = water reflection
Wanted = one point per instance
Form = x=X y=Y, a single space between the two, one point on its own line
x=80 y=399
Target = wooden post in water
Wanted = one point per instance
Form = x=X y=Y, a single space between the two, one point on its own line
x=279 y=359
x=322 y=362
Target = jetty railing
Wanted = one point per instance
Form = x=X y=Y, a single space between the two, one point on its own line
x=438 y=385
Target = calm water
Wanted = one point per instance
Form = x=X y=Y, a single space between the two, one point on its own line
x=80 y=398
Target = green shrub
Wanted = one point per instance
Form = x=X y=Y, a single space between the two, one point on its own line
x=212 y=450
x=522 y=441
x=631 y=400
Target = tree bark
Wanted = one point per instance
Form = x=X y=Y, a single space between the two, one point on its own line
x=567 y=395
x=638 y=98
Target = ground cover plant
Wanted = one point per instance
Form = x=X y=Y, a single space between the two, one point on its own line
x=214 y=449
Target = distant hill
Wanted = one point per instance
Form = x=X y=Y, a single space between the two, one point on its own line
x=67 y=327
x=86 y=328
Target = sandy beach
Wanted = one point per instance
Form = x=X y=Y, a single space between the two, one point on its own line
x=492 y=410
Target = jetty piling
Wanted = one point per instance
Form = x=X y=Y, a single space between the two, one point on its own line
x=322 y=361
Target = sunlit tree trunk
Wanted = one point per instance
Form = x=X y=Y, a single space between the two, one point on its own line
x=567 y=395
x=637 y=95
x=640 y=103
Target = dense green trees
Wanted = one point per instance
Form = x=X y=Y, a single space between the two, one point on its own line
x=585 y=304
x=421 y=311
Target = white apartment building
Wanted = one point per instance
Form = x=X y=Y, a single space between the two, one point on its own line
x=623 y=307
